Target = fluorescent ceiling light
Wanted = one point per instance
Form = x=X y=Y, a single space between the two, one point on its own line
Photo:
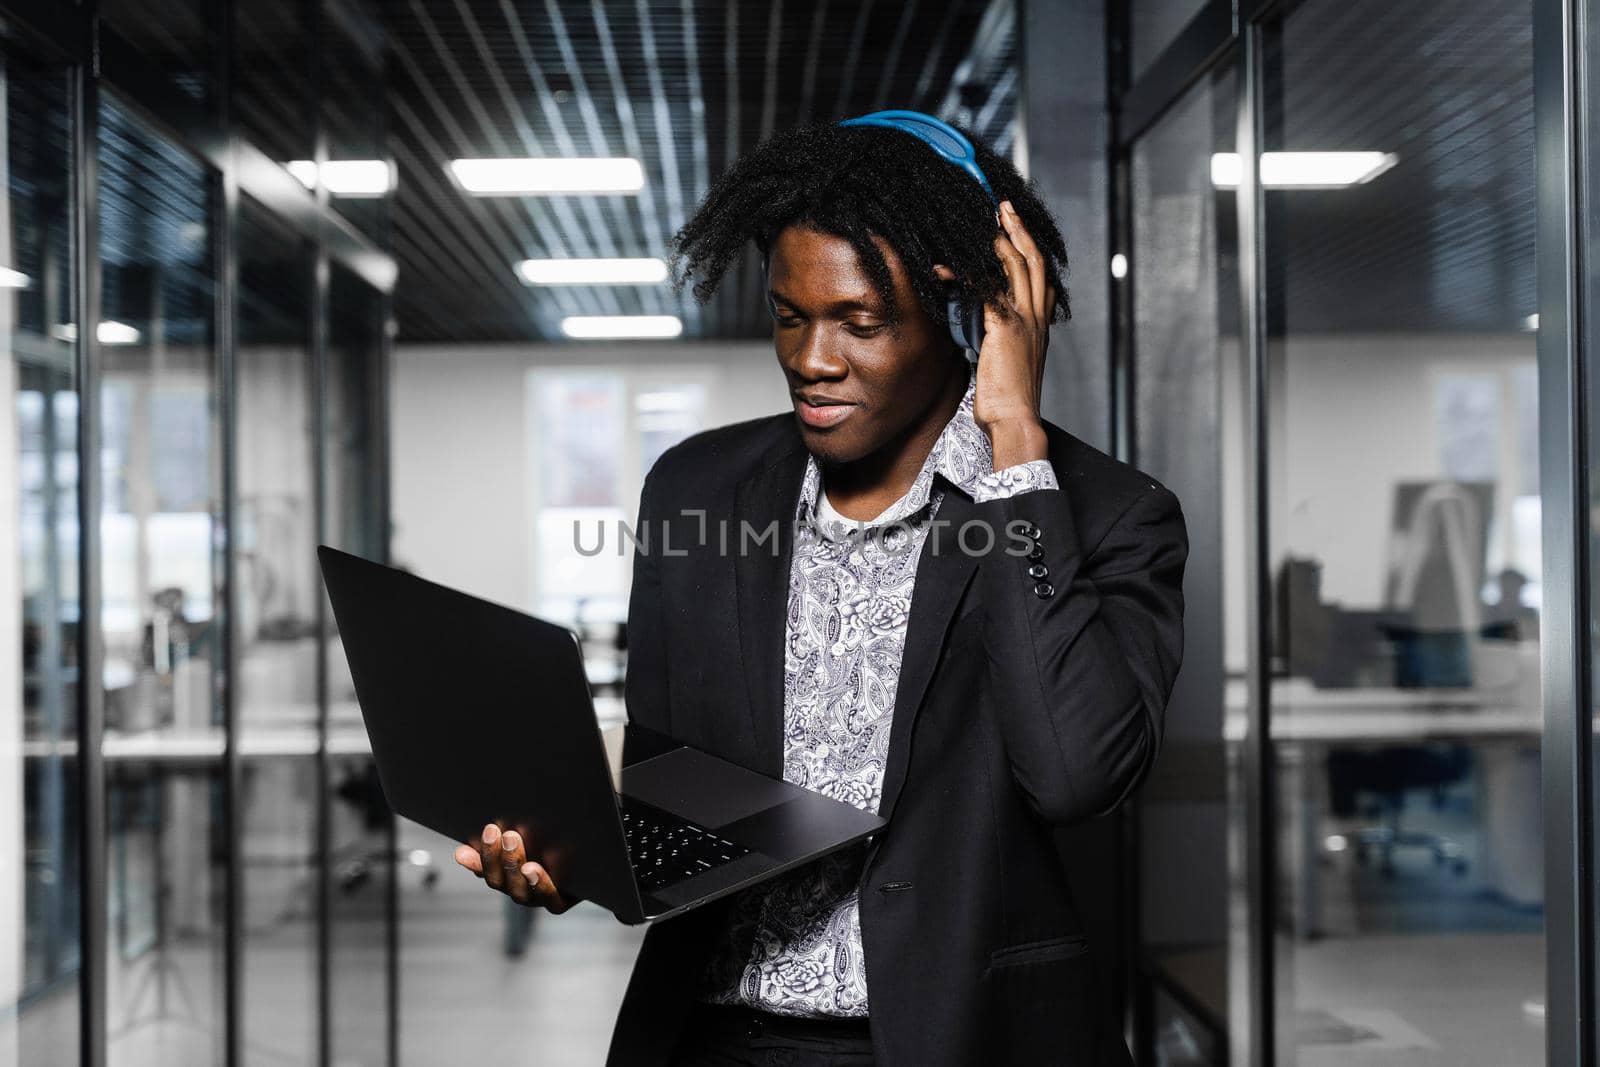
x=346 y=177
x=593 y=271
x=109 y=332
x=112 y=332
x=1119 y=266
x=598 y=327
x=13 y=279
x=544 y=176
x=1304 y=170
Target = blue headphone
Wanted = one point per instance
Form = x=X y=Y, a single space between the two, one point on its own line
x=965 y=317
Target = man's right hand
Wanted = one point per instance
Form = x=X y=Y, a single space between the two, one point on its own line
x=498 y=858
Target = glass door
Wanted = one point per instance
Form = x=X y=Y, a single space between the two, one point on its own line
x=276 y=594
x=40 y=549
x=160 y=610
x=1188 y=431
x=361 y=828
x=1404 y=531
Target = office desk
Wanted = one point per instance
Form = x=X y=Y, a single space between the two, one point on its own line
x=1503 y=725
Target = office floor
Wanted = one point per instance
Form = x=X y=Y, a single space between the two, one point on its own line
x=1402 y=999
x=1419 y=998
x=464 y=1000
x=1417 y=1001
x=1423 y=965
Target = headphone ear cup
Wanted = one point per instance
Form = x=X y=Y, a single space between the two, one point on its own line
x=966 y=321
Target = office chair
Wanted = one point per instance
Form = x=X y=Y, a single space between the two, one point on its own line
x=361 y=789
x=1385 y=776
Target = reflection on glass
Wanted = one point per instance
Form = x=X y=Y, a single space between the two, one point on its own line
x=272 y=68
x=1155 y=24
x=276 y=623
x=39 y=552
x=1405 y=538
x=176 y=34
x=1588 y=303
x=666 y=414
x=360 y=823
x=275 y=538
x=353 y=49
x=593 y=435
x=158 y=528
x=580 y=418
x=1187 y=426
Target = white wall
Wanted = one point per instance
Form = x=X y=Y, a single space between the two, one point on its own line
x=1358 y=416
x=1349 y=417
x=461 y=476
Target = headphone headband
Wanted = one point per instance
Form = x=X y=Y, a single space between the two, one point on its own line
x=964 y=318
x=951 y=144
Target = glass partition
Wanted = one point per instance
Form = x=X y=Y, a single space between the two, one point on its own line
x=1187 y=431
x=273 y=92
x=276 y=633
x=354 y=46
x=361 y=827
x=1587 y=293
x=160 y=465
x=179 y=35
x=1404 y=531
x=1154 y=25
x=173 y=644
x=40 y=944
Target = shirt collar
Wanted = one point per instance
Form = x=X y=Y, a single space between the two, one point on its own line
x=962 y=454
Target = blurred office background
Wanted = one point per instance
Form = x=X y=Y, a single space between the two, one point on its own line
x=1305 y=295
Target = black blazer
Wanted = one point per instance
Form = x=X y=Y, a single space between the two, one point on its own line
x=1016 y=713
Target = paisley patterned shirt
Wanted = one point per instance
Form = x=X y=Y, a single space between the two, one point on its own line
x=794 y=943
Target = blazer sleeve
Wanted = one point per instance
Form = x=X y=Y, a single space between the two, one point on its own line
x=644 y=687
x=1084 y=658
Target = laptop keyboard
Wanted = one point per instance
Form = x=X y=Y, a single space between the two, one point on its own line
x=665 y=848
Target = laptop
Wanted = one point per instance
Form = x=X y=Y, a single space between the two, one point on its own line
x=478 y=713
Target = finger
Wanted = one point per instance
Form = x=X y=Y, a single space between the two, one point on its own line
x=1016 y=269
x=542 y=888
x=512 y=857
x=1023 y=240
x=1024 y=243
x=468 y=857
x=489 y=855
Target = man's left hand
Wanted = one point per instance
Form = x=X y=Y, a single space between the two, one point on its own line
x=1011 y=364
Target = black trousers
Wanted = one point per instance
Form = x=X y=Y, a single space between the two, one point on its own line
x=717 y=1036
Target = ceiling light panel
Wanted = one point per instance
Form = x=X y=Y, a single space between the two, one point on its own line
x=621 y=327
x=593 y=271
x=548 y=176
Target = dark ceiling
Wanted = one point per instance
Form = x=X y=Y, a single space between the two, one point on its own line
x=681 y=85
x=1441 y=242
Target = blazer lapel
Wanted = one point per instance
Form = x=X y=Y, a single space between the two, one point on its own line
x=943 y=571
x=761 y=571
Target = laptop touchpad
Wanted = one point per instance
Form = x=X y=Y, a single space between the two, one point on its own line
x=702 y=788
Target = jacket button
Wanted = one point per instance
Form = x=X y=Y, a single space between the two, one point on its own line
x=1043 y=589
x=1033 y=532
x=1038 y=570
x=1036 y=553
